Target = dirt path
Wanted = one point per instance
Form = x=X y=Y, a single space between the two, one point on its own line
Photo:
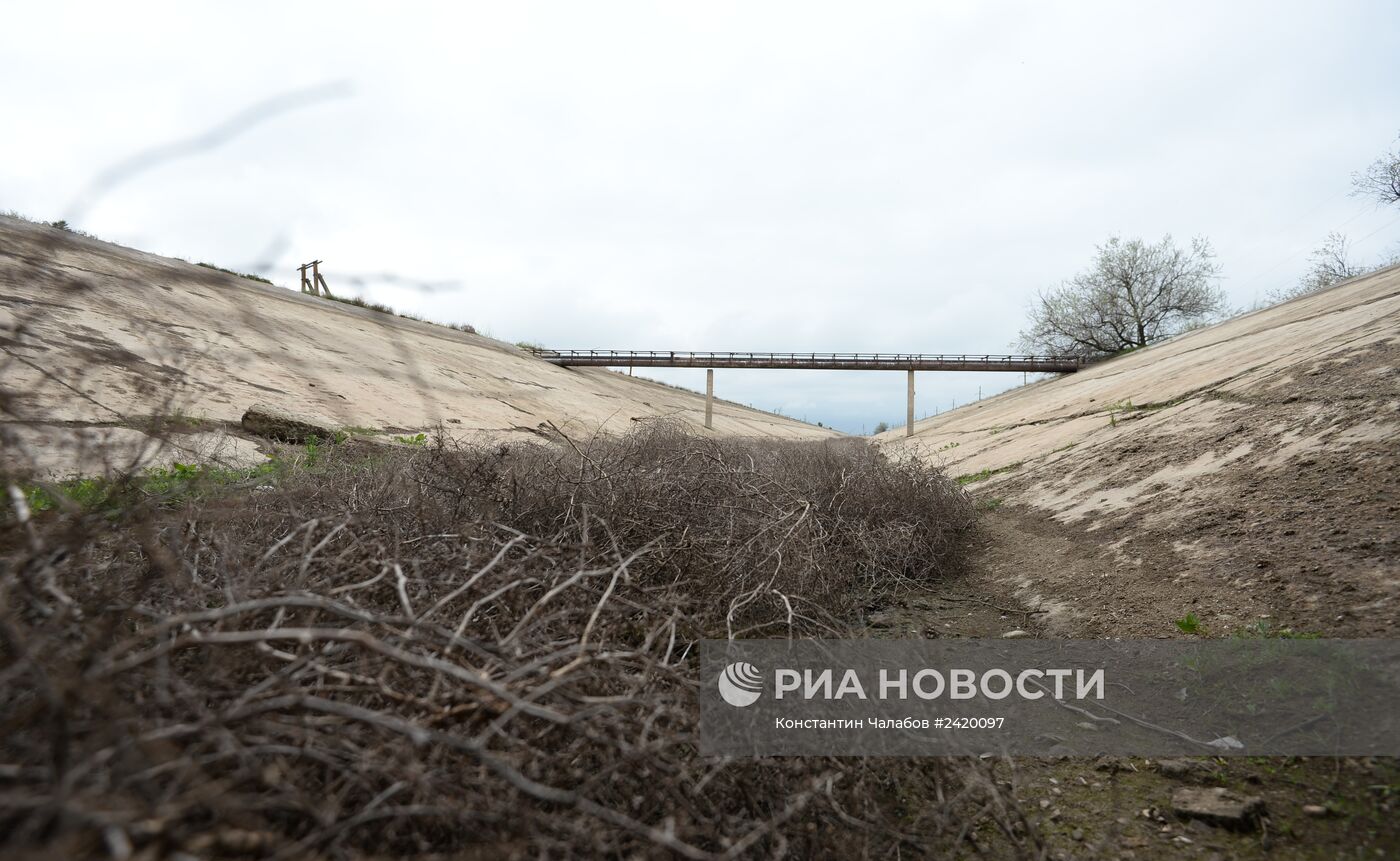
x=1034 y=574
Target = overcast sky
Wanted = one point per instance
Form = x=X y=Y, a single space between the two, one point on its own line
x=858 y=176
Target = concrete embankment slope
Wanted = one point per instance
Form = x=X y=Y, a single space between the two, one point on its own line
x=1246 y=470
x=97 y=337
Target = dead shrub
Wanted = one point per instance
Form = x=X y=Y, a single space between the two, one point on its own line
x=484 y=651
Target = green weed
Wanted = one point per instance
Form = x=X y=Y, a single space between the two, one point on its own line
x=165 y=485
x=973 y=478
x=1189 y=624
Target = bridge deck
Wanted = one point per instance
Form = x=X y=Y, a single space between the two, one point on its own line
x=820 y=361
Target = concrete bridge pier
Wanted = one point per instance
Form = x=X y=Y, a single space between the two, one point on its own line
x=710 y=398
x=909 y=407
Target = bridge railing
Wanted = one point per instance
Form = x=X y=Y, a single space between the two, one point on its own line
x=739 y=356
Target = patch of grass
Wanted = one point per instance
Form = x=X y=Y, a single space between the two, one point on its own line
x=250 y=276
x=165 y=485
x=1263 y=629
x=1065 y=447
x=89 y=494
x=973 y=478
x=948 y=446
x=176 y=483
x=165 y=481
x=311 y=450
x=385 y=309
x=365 y=303
x=1189 y=624
x=418 y=439
x=991 y=504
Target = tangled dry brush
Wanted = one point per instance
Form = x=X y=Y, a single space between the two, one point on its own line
x=476 y=652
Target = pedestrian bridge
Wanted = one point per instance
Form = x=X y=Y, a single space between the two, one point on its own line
x=908 y=362
x=819 y=361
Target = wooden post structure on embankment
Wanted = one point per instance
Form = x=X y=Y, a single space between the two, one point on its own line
x=909 y=408
x=313 y=283
x=710 y=398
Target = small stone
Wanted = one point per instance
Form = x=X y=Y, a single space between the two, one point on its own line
x=1077 y=834
x=1177 y=767
x=1314 y=810
x=1015 y=635
x=1218 y=806
x=1084 y=724
x=1044 y=803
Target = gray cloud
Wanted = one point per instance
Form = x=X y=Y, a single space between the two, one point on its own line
x=784 y=176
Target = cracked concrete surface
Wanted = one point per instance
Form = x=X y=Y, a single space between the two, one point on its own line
x=94 y=335
x=1246 y=471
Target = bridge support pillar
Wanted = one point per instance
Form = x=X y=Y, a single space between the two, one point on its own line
x=709 y=397
x=909 y=407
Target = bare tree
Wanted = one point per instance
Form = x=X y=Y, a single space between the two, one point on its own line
x=1330 y=263
x=1381 y=180
x=1134 y=294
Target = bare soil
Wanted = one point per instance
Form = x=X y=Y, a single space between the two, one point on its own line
x=1036 y=574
